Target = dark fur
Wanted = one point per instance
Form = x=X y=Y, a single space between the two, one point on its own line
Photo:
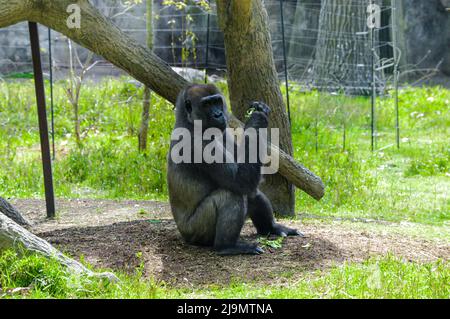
x=210 y=202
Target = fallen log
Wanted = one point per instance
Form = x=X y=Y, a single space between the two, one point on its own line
x=14 y=236
x=8 y=210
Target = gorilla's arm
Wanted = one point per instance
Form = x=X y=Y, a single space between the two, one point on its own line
x=241 y=178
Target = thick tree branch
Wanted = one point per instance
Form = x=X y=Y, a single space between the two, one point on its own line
x=101 y=36
x=13 y=11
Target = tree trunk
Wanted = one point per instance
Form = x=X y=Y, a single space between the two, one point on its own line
x=143 y=131
x=145 y=117
x=14 y=236
x=102 y=37
x=252 y=77
x=344 y=52
x=76 y=120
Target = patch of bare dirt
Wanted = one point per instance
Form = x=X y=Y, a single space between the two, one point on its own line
x=111 y=233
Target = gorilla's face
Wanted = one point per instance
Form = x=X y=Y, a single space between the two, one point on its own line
x=207 y=106
x=213 y=110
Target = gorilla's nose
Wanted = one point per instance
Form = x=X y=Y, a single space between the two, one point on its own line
x=218 y=115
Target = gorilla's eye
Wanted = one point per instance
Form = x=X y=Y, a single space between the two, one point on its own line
x=212 y=100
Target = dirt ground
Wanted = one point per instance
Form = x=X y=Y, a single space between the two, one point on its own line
x=112 y=233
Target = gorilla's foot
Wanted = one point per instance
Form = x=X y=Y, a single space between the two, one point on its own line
x=241 y=248
x=283 y=231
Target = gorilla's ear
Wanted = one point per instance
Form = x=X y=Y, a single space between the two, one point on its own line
x=187 y=101
x=188 y=105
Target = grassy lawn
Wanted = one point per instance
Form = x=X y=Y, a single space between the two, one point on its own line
x=331 y=136
x=407 y=184
x=387 y=277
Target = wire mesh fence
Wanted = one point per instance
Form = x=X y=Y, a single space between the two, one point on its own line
x=191 y=37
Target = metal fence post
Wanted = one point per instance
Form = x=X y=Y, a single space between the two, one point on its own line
x=42 y=116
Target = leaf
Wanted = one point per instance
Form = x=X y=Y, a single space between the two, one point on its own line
x=276 y=243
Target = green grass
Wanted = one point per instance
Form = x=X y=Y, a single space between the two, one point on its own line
x=386 y=277
x=407 y=184
x=432 y=233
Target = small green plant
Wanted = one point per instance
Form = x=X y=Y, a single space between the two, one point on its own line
x=140 y=269
x=276 y=243
x=188 y=37
x=142 y=212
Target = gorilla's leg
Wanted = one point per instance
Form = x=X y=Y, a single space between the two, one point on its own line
x=218 y=221
x=261 y=213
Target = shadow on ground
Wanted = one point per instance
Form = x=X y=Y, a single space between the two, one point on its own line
x=166 y=257
x=113 y=234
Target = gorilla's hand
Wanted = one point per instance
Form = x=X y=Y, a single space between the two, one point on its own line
x=283 y=231
x=261 y=107
x=258 y=115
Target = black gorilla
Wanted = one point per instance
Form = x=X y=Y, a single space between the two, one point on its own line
x=210 y=201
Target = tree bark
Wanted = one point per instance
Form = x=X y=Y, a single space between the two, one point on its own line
x=14 y=236
x=252 y=77
x=145 y=118
x=143 y=130
x=8 y=210
x=102 y=37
